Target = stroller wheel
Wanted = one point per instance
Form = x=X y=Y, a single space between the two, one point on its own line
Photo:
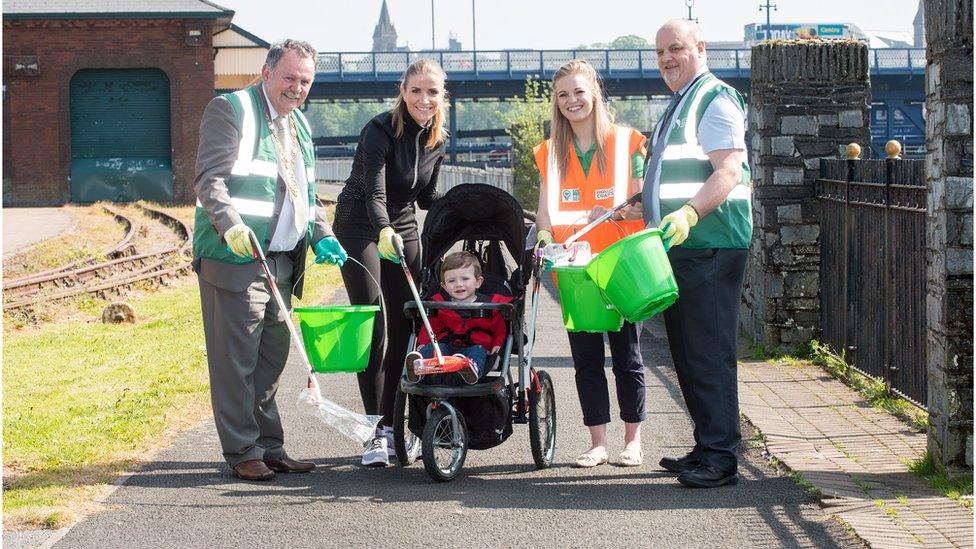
x=542 y=420
x=402 y=436
x=445 y=443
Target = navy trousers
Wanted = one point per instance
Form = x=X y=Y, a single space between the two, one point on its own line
x=591 y=379
x=702 y=326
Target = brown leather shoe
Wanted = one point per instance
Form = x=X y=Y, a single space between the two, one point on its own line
x=253 y=469
x=288 y=465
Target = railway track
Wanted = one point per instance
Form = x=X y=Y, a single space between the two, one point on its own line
x=105 y=278
x=121 y=249
x=123 y=267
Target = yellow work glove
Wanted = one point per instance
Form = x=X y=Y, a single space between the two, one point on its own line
x=543 y=238
x=677 y=224
x=238 y=239
x=385 y=245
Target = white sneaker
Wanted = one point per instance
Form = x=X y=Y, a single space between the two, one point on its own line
x=390 y=447
x=413 y=445
x=375 y=454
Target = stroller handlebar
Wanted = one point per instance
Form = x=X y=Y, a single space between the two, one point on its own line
x=410 y=309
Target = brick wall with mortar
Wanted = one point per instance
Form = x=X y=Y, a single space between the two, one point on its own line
x=809 y=100
x=37 y=134
x=949 y=168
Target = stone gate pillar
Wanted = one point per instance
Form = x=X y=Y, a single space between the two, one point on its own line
x=949 y=242
x=809 y=100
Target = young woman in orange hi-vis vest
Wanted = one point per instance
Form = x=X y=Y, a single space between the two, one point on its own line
x=588 y=166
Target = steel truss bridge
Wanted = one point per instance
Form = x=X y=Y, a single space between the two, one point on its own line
x=897 y=80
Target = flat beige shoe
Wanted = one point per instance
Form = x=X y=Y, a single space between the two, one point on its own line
x=631 y=458
x=587 y=461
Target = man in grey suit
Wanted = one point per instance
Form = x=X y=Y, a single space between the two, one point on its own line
x=256 y=177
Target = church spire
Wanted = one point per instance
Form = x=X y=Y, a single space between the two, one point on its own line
x=919 y=25
x=384 y=35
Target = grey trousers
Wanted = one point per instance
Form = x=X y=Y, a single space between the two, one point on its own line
x=247 y=347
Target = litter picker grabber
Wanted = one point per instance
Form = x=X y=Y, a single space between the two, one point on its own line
x=358 y=427
x=439 y=364
x=536 y=283
x=570 y=250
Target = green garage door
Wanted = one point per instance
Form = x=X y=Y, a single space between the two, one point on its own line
x=120 y=135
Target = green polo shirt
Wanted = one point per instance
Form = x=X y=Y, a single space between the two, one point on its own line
x=586 y=159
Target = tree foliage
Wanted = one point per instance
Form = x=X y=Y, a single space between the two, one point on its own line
x=630 y=42
x=626 y=42
x=342 y=118
x=525 y=119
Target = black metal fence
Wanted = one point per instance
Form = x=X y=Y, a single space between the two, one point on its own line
x=872 y=268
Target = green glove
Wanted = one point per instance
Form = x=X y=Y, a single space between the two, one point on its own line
x=385 y=244
x=543 y=238
x=676 y=225
x=328 y=250
x=238 y=239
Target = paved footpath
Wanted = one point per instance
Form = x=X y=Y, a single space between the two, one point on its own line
x=856 y=455
x=186 y=496
x=23 y=227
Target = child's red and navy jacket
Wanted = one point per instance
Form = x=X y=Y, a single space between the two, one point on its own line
x=461 y=329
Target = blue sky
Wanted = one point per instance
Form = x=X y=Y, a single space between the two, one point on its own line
x=347 y=25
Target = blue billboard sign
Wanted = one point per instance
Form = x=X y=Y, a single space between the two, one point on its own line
x=790 y=31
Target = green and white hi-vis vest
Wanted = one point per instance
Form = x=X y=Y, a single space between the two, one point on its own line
x=685 y=167
x=253 y=180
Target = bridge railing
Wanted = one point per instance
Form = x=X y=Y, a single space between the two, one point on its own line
x=640 y=63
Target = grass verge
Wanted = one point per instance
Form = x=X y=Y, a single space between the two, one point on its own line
x=86 y=401
x=960 y=489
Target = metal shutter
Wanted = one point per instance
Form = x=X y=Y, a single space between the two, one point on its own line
x=120 y=135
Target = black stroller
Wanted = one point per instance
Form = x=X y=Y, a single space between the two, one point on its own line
x=449 y=419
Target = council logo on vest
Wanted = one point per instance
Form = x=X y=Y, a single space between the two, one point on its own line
x=603 y=194
x=571 y=195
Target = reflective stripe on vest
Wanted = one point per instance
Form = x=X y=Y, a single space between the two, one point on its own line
x=245 y=151
x=686 y=191
x=256 y=208
x=244 y=206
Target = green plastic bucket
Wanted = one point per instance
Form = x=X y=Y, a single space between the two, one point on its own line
x=635 y=275
x=583 y=304
x=337 y=337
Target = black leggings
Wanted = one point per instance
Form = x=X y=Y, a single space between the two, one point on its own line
x=591 y=379
x=377 y=385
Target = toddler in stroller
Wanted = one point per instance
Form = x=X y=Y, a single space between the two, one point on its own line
x=448 y=415
x=467 y=333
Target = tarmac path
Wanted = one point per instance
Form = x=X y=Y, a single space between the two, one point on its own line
x=23 y=227
x=186 y=497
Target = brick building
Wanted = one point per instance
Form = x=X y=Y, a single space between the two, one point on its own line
x=103 y=100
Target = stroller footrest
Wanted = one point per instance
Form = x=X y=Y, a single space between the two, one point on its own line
x=488 y=386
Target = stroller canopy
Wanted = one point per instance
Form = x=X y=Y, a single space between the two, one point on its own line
x=473 y=211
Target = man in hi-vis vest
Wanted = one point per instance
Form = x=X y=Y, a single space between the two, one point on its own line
x=256 y=175
x=697 y=188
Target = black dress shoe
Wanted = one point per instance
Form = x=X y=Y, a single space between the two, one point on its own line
x=252 y=469
x=706 y=476
x=680 y=464
x=288 y=465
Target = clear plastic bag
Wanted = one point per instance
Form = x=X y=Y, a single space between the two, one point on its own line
x=359 y=428
x=577 y=254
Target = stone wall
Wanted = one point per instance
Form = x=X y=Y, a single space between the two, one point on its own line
x=949 y=168
x=809 y=100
